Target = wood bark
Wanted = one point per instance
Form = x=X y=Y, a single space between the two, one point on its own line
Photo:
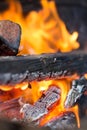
x=16 y=69
x=10 y=33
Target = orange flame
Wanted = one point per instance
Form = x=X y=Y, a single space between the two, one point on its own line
x=8 y=92
x=59 y=109
x=42 y=32
x=23 y=86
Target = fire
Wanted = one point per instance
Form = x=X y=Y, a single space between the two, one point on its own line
x=42 y=32
x=7 y=95
x=23 y=86
x=8 y=92
x=59 y=109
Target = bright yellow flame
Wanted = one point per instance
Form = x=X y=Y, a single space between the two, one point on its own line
x=38 y=88
x=65 y=42
x=42 y=31
x=59 y=109
x=23 y=86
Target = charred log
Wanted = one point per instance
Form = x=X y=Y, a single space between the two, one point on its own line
x=67 y=121
x=79 y=86
x=7 y=125
x=9 y=38
x=41 y=67
x=32 y=114
x=10 y=109
x=42 y=106
x=83 y=106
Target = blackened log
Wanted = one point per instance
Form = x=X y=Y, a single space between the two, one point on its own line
x=10 y=33
x=41 y=67
x=66 y=121
x=82 y=102
x=5 y=124
x=8 y=125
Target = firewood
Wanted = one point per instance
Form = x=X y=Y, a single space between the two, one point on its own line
x=9 y=104
x=8 y=125
x=79 y=86
x=66 y=121
x=10 y=33
x=16 y=69
x=10 y=109
x=41 y=107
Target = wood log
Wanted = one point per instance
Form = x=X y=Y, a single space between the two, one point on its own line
x=79 y=86
x=5 y=124
x=10 y=109
x=42 y=106
x=66 y=121
x=10 y=33
x=41 y=67
x=8 y=125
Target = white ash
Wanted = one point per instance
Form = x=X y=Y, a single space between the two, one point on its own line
x=40 y=108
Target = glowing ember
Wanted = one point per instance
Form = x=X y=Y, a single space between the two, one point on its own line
x=59 y=109
x=42 y=32
x=23 y=86
x=7 y=95
x=85 y=76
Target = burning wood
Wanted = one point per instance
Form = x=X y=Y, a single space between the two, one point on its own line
x=10 y=109
x=49 y=30
x=64 y=122
x=41 y=107
x=9 y=38
x=7 y=94
x=50 y=104
x=41 y=67
x=77 y=90
x=34 y=113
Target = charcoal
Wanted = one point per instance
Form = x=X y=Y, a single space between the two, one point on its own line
x=10 y=33
x=50 y=96
x=40 y=108
x=8 y=125
x=79 y=86
x=31 y=113
x=65 y=122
